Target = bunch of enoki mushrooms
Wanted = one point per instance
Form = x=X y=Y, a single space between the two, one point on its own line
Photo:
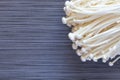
x=95 y=29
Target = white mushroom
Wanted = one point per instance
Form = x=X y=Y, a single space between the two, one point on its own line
x=98 y=28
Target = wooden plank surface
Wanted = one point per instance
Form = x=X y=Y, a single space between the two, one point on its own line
x=34 y=45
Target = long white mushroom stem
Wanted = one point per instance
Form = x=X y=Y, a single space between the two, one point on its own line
x=87 y=29
x=112 y=63
x=95 y=28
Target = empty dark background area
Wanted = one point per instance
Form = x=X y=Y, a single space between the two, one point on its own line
x=34 y=45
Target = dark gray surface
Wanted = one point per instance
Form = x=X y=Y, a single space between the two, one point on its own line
x=34 y=45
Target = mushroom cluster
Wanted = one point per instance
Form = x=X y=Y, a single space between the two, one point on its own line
x=95 y=28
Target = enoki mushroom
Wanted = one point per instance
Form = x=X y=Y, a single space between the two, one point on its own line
x=95 y=28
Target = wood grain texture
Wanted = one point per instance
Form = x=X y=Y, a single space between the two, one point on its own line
x=34 y=45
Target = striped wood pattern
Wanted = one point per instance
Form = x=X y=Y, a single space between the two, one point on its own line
x=34 y=45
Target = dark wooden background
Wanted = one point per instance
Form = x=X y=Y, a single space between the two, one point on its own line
x=34 y=45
